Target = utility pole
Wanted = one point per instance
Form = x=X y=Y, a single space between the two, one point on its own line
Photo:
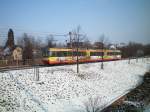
x=66 y=43
x=70 y=34
x=102 y=65
x=102 y=41
x=71 y=43
x=129 y=61
x=36 y=68
x=36 y=72
x=77 y=35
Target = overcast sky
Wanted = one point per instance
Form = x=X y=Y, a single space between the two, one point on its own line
x=119 y=20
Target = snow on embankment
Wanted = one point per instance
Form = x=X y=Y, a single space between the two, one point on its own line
x=61 y=89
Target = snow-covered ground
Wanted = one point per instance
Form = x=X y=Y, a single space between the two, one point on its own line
x=61 y=89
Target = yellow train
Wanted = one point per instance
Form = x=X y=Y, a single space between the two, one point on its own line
x=54 y=56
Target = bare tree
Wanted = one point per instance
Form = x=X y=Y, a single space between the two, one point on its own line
x=76 y=39
x=102 y=42
x=87 y=43
x=51 y=41
x=133 y=50
x=37 y=44
x=147 y=50
x=27 y=47
x=60 y=45
x=93 y=105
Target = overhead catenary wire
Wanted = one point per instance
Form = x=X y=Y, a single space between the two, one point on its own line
x=4 y=30
x=37 y=34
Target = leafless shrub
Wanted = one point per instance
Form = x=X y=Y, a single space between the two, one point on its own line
x=148 y=69
x=81 y=75
x=93 y=105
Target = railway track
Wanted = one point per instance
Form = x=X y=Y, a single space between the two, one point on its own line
x=20 y=67
x=8 y=68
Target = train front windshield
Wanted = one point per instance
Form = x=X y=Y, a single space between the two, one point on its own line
x=45 y=53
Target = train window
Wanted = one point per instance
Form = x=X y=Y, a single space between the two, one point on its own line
x=109 y=53
x=79 y=53
x=45 y=53
x=83 y=53
x=96 y=53
x=117 y=53
x=113 y=53
x=65 y=53
x=59 y=54
x=53 y=54
x=74 y=53
x=50 y=53
x=70 y=53
x=100 y=53
x=92 y=54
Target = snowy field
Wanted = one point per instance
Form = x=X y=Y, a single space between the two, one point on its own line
x=61 y=89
